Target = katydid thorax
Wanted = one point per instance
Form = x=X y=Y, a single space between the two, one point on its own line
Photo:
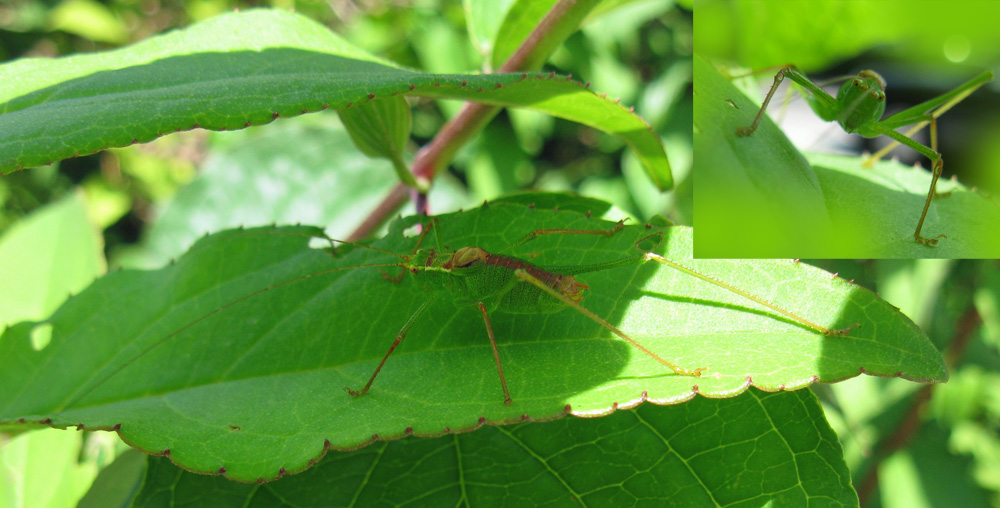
x=858 y=108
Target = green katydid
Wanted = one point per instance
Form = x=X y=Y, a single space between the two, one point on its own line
x=488 y=282
x=858 y=108
x=477 y=279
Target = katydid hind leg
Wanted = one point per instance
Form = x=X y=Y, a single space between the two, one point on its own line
x=525 y=276
x=937 y=166
x=496 y=352
x=827 y=332
x=648 y=255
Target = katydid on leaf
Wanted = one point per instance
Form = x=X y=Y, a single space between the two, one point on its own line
x=476 y=279
x=489 y=282
x=858 y=108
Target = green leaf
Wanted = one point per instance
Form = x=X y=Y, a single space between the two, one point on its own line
x=880 y=206
x=270 y=64
x=483 y=18
x=520 y=20
x=118 y=483
x=185 y=358
x=48 y=255
x=835 y=208
x=379 y=128
x=745 y=187
x=758 y=448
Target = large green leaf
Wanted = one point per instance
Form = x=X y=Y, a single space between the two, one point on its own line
x=248 y=68
x=834 y=208
x=751 y=450
x=255 y=387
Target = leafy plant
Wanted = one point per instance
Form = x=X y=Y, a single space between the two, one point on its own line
x=225 y=363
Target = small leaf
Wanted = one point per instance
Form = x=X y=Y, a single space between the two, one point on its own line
x=380 y=129
x=173 y=358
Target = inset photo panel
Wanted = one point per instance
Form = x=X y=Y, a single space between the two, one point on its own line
x=846 y=129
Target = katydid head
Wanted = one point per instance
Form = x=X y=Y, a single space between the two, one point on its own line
x=863 y=101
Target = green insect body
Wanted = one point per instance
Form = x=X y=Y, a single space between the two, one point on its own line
x=472 y=275
x=858 y=108
x=491 y=282
x=865 y=96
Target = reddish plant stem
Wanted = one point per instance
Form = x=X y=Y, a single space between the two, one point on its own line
x=911 y=423
x=456 y=132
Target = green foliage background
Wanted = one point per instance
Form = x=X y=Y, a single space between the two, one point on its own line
x=905 y=445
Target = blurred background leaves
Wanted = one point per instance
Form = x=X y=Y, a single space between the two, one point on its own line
x=637 y=50
x=906 y=445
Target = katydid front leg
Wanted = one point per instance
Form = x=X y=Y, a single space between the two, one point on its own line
x=824 y=104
